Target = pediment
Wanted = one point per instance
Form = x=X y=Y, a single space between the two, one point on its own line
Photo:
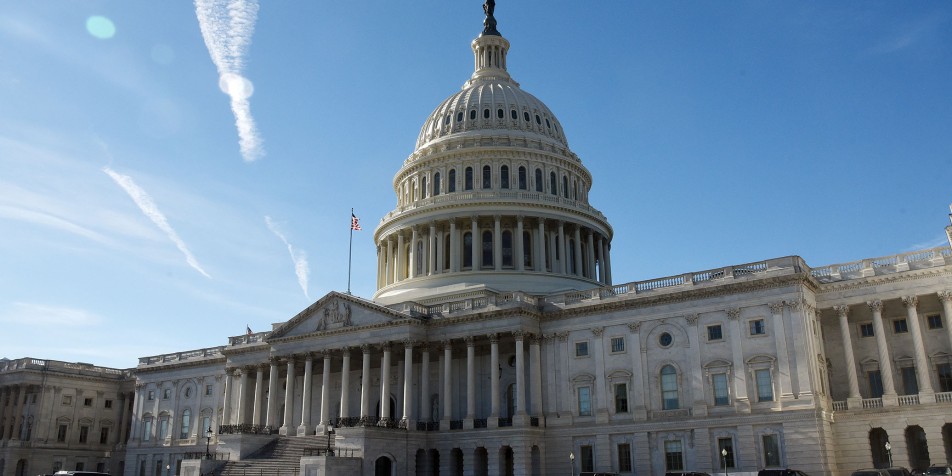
x=333 y=313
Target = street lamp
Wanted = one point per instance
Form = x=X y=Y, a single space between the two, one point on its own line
x=168 y=467
x=208 y=439
x=330 y=434
x=889 y=453
x=572 y=460
x=724 y=459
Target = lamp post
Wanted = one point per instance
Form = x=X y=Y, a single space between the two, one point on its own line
x=724 y=459
x=208 y=439
x=889 y=453
x=330 y=434
x=168 y=468
x=572 y=461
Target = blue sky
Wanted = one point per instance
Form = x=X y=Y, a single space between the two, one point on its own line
x=133 y=222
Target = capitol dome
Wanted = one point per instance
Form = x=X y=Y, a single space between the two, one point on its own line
x=491 y=199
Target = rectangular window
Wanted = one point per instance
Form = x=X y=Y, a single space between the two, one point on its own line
x=725 y=445
x=764 y=385
x=581 y=349
x=167 y=394
x=584 y=401
x=618 y=344
x=588 y=458
x=900 y=326
x=67 y=399
x=910 y=385
x=83 y=434
x=624 y=458
x=771 y=451
x=721 y=394
x=104 y=436
x=934 y=321
x=61 y=433
x=208 y=390
x=163 y=428
x=944 y=372
x=100 y=467
x=147 y=429
x=715 y=332
x=875 y=383
x=757 y=327
x=80 y=466
x=206 y=424
x=151 y=395
x=87 y=402
x=621 y=398
x=673 y=459
x=108 y=404
x=866 y=330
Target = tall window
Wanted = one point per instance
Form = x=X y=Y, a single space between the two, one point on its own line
x=423 y=190
x=565 y=186
x=526 y=249
x=553 y=185
x=504 y=176
x=587 y=457
x=507 y=248
x=621 y=398
x=725 y=444
x=487 y=177
x=944 y=372
x=721 y=394
x=163 y=427
x=866 y=330
x=910 y=385
x=467 y=250
x=487 y=248
x=771 y=450
x=451 y=181
x=584 y=401
x=900 y=326
x=206 y=424
x=186 y=423
x=468 y=179
x=875 y=383
x=673 y=458
x=764 y=385
x=83 y=434
x=418 y=257
x=669 y=388
x=61 y=433
x=147 y=429
x=104 y=435
x=436 y=184
x=538 y=180
x=624 y=458
x=523 y=179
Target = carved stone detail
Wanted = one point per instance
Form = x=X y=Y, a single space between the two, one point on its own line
x=597 y=331
x=692 y=319
x=634 y=326
x=842 y=311
x=776 y=307
x=493 y=338
x=945 y=296
x=733 y=313
x=910 y=301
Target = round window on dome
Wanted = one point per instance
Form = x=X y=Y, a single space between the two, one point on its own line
x=665 y=339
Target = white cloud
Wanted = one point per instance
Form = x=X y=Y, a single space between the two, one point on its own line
x=152 y=212
x=298 y=257
x=40 y=315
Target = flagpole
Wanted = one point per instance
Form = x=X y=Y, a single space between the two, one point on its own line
x=350 y=248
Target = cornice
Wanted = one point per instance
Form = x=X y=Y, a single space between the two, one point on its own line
x=491 y=315
x=872 y=281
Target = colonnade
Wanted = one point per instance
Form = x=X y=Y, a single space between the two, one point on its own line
x=264 y=411
x=921 y=359
x=510 y=242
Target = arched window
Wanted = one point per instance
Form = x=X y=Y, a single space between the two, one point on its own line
x=163 y=426
x=504 y=176
x=515 y=115
x=507 y=248
x=147 y=428
x=570 y=252
x=500 y=113
x=565 y=186
x=525 y=115
x=487 y=177
x=487 y=248
x=467 y=250
x=186 y=423
x=553 y=184
x=446 y=252
x=669 y=388
x=527 y=249
x=459 y=116
x=486 y=113
x=451 y=181
x=472 y=115
x=538 y=180
x=436 y=184
x=468 y=179
x=418 y=257
x=523 y=182
x=423 y=190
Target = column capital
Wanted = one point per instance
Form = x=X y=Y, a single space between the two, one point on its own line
x=409 y=343
x=875 y=305
x=497 y=217
x=945 y=296
x=634 y=327
x=425 y=346
x=692 y=319
x=733 y=313
x=493 y=338
x=562 y=336
x=470 y=341
x=366 y=348
x=910 y=301
x=386 y=346
x=776 y=307
x=274 y=359
x=519 y=335
x=520 y=218
x=597 y=331
x=536 y=339
x=290 y=358
x=446 y=344
x=842 y=310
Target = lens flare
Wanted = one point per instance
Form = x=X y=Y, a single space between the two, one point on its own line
x=100 y=27
x=236 y=86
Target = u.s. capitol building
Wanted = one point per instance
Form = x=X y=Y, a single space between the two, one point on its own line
x=499 y=342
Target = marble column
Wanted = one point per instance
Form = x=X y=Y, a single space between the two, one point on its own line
x=535 y=368
x=259 y=393
x=401 y=257
x=590 y=246
x=426 y=411
x=325 y=395
x=539 y=256
x=600 y=259
x=273 y=377
x=470 y=381
x=389 y=279
x=303 y=428
x=385 y=416
x=454 y=247
x=345 y=383
x=226 y=406
x=447 y=386
x=242 y=396
x=365 y=385
x=17 y=417
x=407 y=421
x=520 y=377
x=639 y=410
x=608 y=262
x=854 y=397
x=922 y=360
x=885 y=362
x=494 y=379
x=945 y=297
x=563 y=253
x=476 y=242
x=431 y=250
x=288 y=425
x=739 y=381
x=413 y=255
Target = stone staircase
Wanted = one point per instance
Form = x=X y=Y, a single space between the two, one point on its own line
x=281 y=457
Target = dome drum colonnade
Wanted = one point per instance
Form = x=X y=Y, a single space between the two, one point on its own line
x=492 y=196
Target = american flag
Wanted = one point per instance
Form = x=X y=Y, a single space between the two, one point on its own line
x=354 y=222
x=248 y=329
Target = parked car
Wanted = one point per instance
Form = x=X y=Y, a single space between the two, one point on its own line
x=870 y=472
x=587 y=473
x=939 y=471
x=781 y=472
x=898 y=471
x=686 y=473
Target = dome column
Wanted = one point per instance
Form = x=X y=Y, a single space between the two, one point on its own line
x=520 y=250
x=600 y=247
x=411 y=265
x=389 y=277
x=608 y=262
x=401 y=259
x=591 y=254
x=563 y=255
x=497 y=243
x=578 y=252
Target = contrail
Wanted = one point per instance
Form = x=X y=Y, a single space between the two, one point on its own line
x=298 y=257
x=227 y=26
x=151 y=211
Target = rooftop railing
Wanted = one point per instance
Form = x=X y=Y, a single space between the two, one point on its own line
x=495 y=195
x=912 y=260
x=77 y=368
x=210 y=352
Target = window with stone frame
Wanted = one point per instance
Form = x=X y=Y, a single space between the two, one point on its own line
x=874 y=379
x=725 y=444
x=83 y=434
x=673 y=455
x=61 y=432
x=721 y=389
x=910 y=382
x=715 y=332
x=621 y=398
x=866 y=330
x=584 y=401
x=764 y=381
x=934 y=321
x=104 y=435
x=67 y=399
x=618 y=344
x=944 y=376
x=587 y=458
x=670 y=399
x=771 y=449
x=757 y=327
x=581 y=349
x=900 y=326
x=624 y=458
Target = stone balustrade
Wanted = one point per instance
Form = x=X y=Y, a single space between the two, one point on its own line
x=77 y=368
x=211 y=352
x=883 y=265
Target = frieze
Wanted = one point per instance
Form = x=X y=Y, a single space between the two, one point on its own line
x=336 y=315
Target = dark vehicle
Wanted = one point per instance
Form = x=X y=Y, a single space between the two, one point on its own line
x=870 y=472
x=781 y=472
x=938 y=471
x=686 y=473
x=589 y=473
x=898 y=471
x=79 y=473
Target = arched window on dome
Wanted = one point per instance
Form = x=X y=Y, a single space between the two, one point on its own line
x=468 y=179
x=487 y=248
x=467 y=250
x=525 y=115
x=459 y=116
x=538 y=120
x=500 y=113
x=423 y=189
x=515 y=115
x=553 y=184
x=669 y=388
x=447 y=119
x=486 y=113
x=472 y=115
x=570 y=256
x=504 y=176
x=523 y=182
x=547 y=123
x=538 y=180
x=527 y=249
x=565 y=186
x=507 y=248
x=436 y=184
x=451 y=181
x=487 y=177
x=413 y=194
x=418 y=258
